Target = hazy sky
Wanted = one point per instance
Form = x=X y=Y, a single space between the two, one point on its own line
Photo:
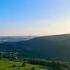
x=34 y=17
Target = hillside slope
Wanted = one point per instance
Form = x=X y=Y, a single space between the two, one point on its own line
x=57 y=46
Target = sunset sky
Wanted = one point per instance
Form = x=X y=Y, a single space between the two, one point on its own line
x=34 y=17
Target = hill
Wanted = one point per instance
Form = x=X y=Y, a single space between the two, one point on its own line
x=51 y=46
x=46 y=47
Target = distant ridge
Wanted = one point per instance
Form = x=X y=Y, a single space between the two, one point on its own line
x=14 y=38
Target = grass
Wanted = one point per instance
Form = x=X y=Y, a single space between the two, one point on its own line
x=14 y=65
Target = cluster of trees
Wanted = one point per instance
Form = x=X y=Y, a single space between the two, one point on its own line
x=8 y=55
x=54 y=65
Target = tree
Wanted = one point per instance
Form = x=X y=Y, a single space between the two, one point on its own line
x=33 y=68
x=0 y=55
x=23 y=64
x=13 y=65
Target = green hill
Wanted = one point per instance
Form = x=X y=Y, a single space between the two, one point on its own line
x=51 y=46
x=46 y=47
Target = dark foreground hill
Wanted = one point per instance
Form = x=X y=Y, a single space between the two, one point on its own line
x=48 y=47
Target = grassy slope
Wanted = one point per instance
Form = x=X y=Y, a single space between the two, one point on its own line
x=6 y=65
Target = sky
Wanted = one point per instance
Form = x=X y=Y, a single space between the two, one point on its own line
x=34 y=17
